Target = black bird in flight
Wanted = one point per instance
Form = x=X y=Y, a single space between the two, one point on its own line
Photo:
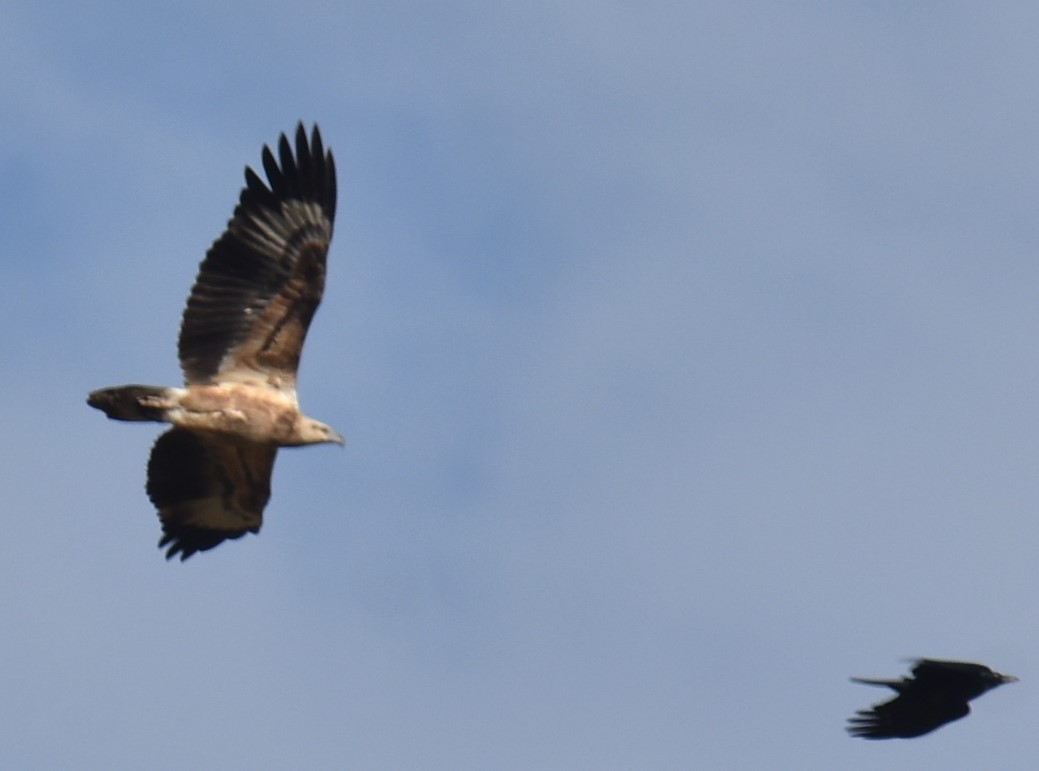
x=937 y=694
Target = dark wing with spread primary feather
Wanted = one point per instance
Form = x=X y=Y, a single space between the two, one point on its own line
x=914 y=712
x=207 y=487
x=260 y=283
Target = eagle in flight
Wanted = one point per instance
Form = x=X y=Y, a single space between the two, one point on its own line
x=936 y=694
x=241 y=336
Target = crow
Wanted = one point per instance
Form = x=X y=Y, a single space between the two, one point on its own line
x=937 y=694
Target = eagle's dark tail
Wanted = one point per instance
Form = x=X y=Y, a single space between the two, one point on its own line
x=132 y=402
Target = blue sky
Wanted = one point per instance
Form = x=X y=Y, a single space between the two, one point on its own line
x=685 y=354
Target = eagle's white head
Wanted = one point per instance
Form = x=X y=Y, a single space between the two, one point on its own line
x=310 y=431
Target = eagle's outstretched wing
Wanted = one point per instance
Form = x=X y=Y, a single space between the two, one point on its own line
x=208 y=487
x=261 y=281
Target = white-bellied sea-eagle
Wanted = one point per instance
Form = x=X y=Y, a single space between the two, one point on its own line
x=241 y=336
